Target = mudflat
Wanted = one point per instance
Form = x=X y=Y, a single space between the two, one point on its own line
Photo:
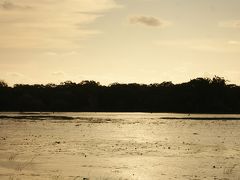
x=142 y=146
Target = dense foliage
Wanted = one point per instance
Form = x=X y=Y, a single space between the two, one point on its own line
x=200 y=95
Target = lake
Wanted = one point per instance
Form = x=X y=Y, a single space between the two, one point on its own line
x=104 y=146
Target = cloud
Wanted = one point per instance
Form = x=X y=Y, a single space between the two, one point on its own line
x=148 y=21
x=50 y=53
x=233 y=42
x=15 y=78
x=15 y=74
x=58 y=73
x=8 y=5
x=230 y=24
x=207 y=45
x=51 y=24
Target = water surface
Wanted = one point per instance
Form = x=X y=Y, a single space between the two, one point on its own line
x=119 y=146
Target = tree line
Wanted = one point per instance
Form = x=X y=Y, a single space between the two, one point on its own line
x=200 y=95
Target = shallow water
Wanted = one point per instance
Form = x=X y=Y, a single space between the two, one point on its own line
x=119 y=146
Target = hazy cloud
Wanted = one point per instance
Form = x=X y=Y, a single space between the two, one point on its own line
x=232 y=42
x=8 y=5
x=148 y=21
x=50 y=53
x=58 y=73
x=15 y=74
x=53 y=24
x=230 y=24
x=211 y=45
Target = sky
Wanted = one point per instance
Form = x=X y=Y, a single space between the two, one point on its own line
x=125 y=41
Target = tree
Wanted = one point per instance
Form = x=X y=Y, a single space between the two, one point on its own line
x=218 y=81
x=3 y=84
x=199 y=95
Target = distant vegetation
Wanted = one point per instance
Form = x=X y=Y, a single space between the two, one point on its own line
x=200 y=95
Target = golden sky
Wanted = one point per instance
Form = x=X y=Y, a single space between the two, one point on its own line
x=143 y=41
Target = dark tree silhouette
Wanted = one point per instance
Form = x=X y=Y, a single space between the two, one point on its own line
x=3 y=84
x=200 y=95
